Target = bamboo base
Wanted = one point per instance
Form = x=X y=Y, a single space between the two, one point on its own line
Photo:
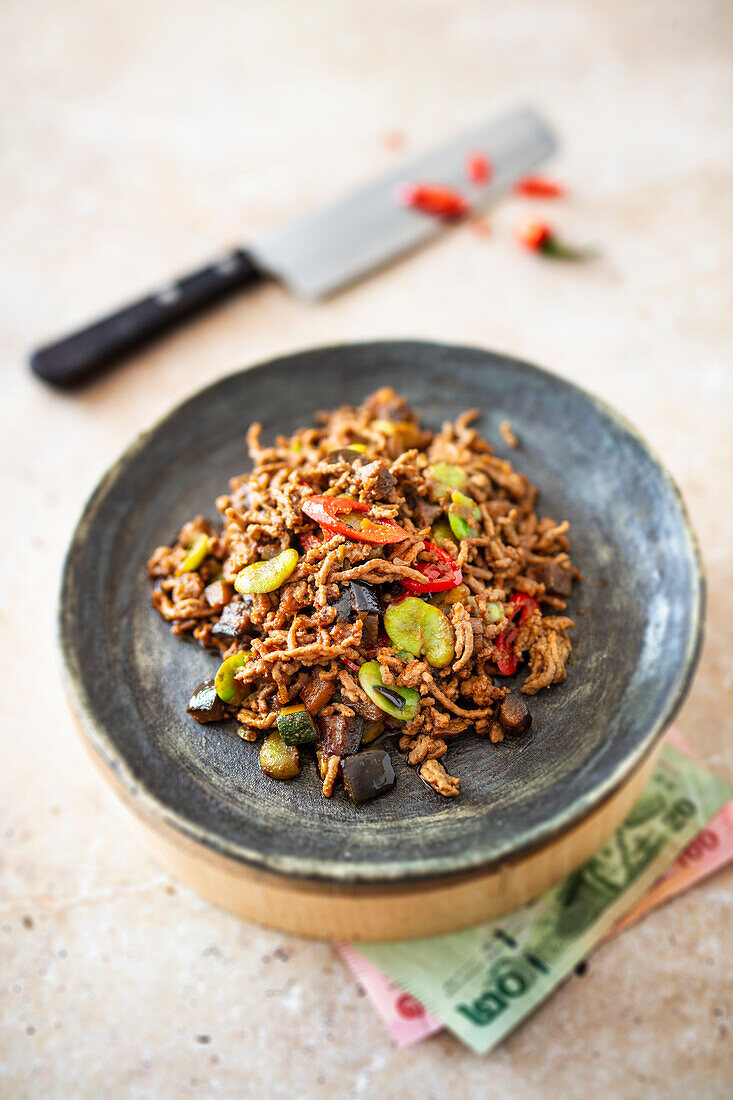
x=324 y=911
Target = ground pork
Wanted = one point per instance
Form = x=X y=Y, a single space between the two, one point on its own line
x=377 y=454
x=436 y=776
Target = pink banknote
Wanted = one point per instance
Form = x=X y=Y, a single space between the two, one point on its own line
x=406 y=1019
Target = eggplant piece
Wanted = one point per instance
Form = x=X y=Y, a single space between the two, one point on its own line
x=557 y=580
x=346 y=454
x=369 y=711
x=376 y=478
x=234 y=621
x=343 y=605
x=340 y=734
x=365 y=598
x=368 y=775
x=205 y=704
x=369 y=630
x=514 y=715
x=372 y=730
x=426 y=512
x=317 y=692
x=218 y=594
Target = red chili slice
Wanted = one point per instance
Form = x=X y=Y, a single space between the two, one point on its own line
x=538 y=187
x=433 y=198
x=351 y=665
x=439 y=575
x=528 y=604
x=523 y=605
x=507 y=660
x=326 y=510
x=479 y=168
x=308 y=540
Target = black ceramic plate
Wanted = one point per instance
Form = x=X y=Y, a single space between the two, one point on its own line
x=638 y=613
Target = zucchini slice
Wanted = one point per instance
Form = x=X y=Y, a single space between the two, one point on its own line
x=295 y=726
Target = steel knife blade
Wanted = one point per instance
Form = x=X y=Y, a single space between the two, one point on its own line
x=345 y=240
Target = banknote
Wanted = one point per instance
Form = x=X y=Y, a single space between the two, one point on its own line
x=482 y=982
x=706 y=853
x=406 y=1019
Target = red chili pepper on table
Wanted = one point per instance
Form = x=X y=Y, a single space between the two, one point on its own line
x=326 y=511
x=435 y=199
x=440 y=574
x=521 y=604
x=536 y=235
x=479 y=168
x=538 y=187
x=393 y=140
x=533 y=233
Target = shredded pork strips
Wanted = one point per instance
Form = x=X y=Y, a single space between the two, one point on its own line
x=511 y=554
x=436 y=776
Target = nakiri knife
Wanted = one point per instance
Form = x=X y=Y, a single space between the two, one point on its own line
x=318 y=253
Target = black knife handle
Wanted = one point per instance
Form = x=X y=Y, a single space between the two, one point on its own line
x=77 y=356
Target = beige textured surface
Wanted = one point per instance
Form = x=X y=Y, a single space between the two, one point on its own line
x=138 y=138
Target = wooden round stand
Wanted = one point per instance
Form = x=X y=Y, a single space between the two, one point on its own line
x=325 y=911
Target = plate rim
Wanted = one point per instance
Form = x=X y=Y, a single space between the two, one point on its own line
x=313 y=870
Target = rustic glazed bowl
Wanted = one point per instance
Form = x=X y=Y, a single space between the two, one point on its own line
x=409 y=863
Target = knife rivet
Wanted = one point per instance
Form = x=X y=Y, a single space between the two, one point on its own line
x=168 y=295
x=228 y=266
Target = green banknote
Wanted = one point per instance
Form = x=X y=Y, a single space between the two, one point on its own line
x=483 y=982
